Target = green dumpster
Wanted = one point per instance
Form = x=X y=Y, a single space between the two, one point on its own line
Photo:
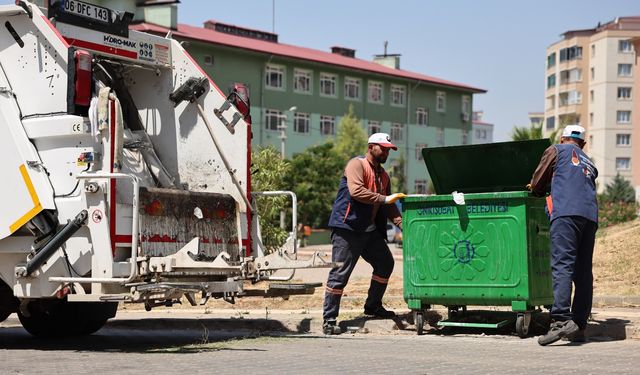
x=491 y=250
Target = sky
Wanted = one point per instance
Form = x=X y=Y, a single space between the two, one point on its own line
x=496 y=45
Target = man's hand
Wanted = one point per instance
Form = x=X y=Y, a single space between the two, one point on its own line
x=393 y=198
x=528 y=187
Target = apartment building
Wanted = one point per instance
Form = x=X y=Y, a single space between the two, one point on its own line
x=482 y=132
x=589 y=81
x=299 y=95
x=635 y=119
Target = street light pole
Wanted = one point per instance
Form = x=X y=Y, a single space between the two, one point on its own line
x=283 y=135
x=283 y=138
x=283 y=128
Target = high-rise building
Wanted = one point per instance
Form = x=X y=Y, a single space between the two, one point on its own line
x=635 y=119
x=589 y=81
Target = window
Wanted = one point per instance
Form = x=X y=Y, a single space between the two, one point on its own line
x=593 y=73
x=396 y=132
x=274 y=76
x=420 y=186
x=551 y=123
x=374 y=127
x=623 y=164
x=397 y=95
x=624 y=70
x=422 y=116
x=551 y=81
x=375 y=92
x=570 y=98
x=352 y=88
x=551 y=60
x=570 y=53
x=623 y=139
x=574 y=97
x=624 y=93
x=593 y=50
x=570 y=76
x=419 y=147
x=466 y=108
x=465 y=137
x=481 y=134
x=302 y=81
x=551 y=102
x=272 y=119
x=328 y=84
x=327 y=125
x=624 y=46
x=301 y=122
x=591 y=118
x=591 y=96
x=441 y=101
x=440 y=137
x=208 y=60
x=623 y=117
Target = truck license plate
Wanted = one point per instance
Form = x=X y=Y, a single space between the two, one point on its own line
x=86 y=10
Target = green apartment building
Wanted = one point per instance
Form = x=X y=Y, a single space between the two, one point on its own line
x=308 y=91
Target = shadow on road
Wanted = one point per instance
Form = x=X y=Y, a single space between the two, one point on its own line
x=173 y=335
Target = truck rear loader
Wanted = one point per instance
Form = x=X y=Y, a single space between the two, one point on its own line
x=126 y=175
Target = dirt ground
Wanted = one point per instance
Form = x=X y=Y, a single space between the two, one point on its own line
x=616 y=269
x=616 y=260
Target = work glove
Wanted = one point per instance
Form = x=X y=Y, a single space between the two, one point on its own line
x=393 y=198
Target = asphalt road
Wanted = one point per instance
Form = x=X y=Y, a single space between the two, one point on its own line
x=194 y=346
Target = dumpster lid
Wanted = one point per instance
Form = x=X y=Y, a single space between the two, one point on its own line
x=491 y=167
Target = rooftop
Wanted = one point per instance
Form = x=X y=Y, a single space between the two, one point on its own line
x=271 y=47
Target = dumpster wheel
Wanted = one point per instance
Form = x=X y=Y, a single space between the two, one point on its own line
x=419 y=320
x=523 y=321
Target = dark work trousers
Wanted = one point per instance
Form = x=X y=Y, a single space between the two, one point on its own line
x=348 y=247
x=572 y=240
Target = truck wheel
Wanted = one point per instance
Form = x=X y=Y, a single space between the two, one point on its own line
x=8 y=302
x=58 y=318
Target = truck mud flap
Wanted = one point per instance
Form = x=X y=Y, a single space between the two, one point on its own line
x=169 y=219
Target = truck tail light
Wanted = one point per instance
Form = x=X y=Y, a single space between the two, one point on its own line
x=83 y=78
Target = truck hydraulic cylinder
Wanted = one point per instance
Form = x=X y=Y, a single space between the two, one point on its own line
x=56 y=241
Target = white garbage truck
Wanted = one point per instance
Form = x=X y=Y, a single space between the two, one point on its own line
x=126 y=175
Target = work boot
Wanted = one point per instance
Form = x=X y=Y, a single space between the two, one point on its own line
x=330 y=327
x=557 y=331
x=577 y=336
x=379 y=312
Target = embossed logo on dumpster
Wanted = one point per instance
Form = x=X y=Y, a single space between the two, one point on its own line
x=462 y=253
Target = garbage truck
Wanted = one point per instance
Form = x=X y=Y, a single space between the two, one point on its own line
x=126 y=175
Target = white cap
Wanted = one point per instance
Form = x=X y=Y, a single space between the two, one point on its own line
x=382 y=139
x=573 y=131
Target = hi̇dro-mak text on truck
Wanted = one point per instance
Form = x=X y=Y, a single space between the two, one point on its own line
x=125 y=175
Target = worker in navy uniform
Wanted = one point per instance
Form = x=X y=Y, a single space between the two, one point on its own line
x=569 y=176
x=363 y=204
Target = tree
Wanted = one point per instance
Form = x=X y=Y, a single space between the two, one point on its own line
x=618 y=203
x=268 y=173
x=315 y=176
x=526 y=133
x=351 y=139
x=619 y=190
x=398 y=178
